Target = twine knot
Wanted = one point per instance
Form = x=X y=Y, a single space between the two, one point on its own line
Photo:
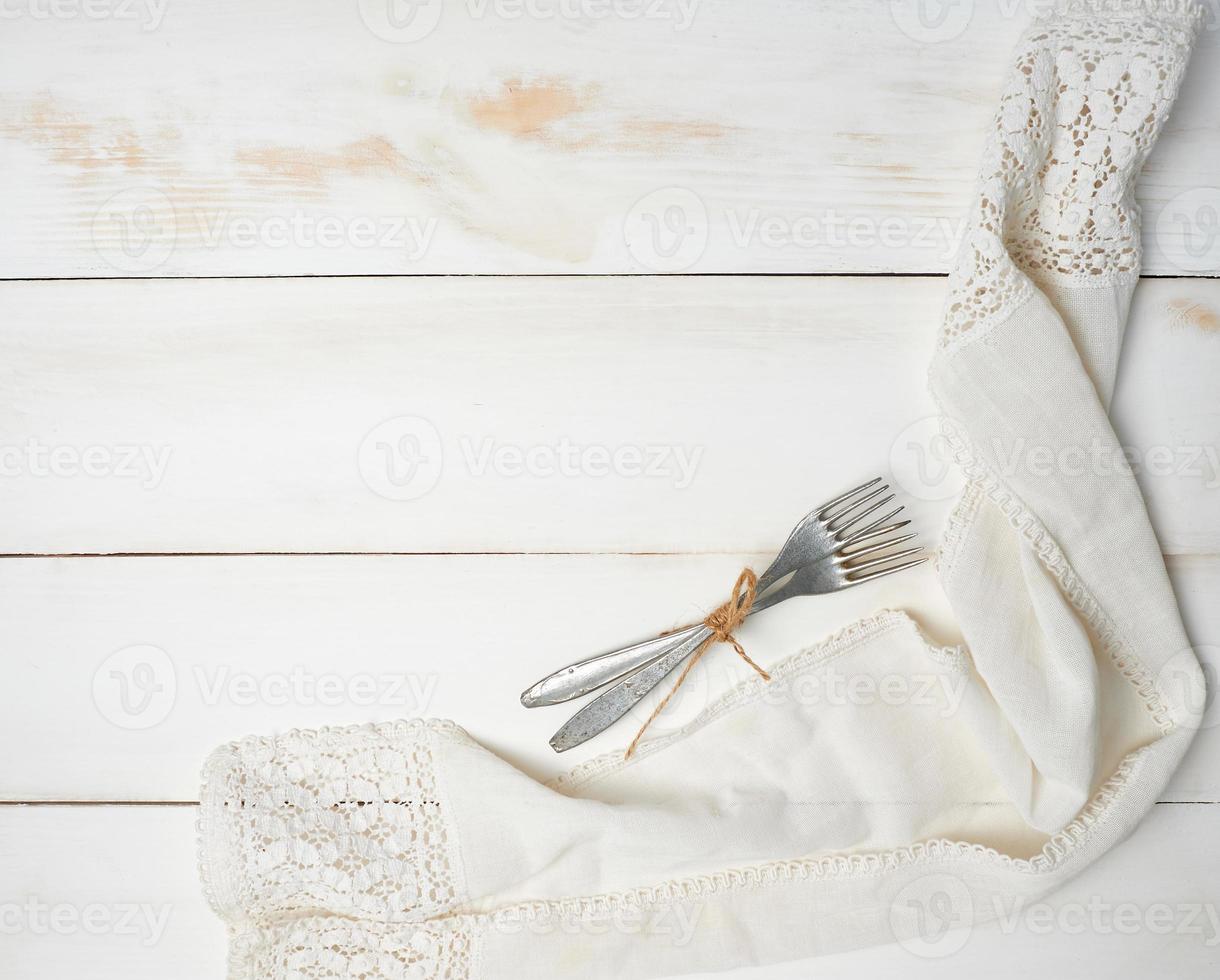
x=722 y=621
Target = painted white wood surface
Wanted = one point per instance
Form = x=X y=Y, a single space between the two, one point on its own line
x=526 y=414
x=253 y=644
x=238 y=645
x=1148 y=910
x=236 y=138
x=291 y=137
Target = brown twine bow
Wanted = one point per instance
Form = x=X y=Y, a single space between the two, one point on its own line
x=721 y=622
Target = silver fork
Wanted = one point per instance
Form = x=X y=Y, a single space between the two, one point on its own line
x=816 y=535
x=860 y=558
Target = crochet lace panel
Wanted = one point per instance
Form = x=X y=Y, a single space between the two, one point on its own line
x=1080 y=112
x=329 y=850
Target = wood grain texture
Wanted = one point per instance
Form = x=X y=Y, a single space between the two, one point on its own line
x=485 y=415
x=261 y=644
x=1149 y=909
x=232 y=646
x=301 y=137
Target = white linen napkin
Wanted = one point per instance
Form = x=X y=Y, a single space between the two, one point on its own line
x=770 y=828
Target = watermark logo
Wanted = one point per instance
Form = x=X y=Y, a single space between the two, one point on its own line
x=35 y=917
x=1106 y=459
x=402 y=458
x=1102 y=917
x=674 y=924
x=1189 y=678
x=144 y=464
x=922 y=459
x=932 y=21
x=1188 y=230
x=146 y=14
x=407 y=21
x=1211 y=15
x=136 y=229
x=932 y=916
x=407 y=235
x=833 y=229
x=565 y=458
x=940 y=693
x=923 y=462
x=135 y=687
x=667 y=230
x=406 y=693
x=679 y=13
x=401 y=21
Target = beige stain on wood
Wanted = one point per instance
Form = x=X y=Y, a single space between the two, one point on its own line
x=528 y=109
x=1189 y=313
x=537 y=110
x=69 y=140
x=545 y=111
x=648 y=133
x=373 y=156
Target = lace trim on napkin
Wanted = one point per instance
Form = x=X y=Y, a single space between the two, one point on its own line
x=327 y=850
x=1080 y=112
x=287 y=893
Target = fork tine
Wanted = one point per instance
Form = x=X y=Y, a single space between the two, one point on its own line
x=851 y=505
x=831 y=504
x=847 y=553
x=863 y=514
x=880 y=560
x=855 y=578
x=873 y=529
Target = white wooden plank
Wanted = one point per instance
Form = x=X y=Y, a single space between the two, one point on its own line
x=258 y=644
x=125 y=672
x=1146 y=909
x=606 y=414
x=1196 y=581
x=1166 y=410
x=292 y=137
x=104 y=892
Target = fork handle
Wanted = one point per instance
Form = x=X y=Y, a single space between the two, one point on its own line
x=579 y=679
x=608 y=707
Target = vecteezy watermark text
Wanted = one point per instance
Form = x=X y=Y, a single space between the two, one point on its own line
x=408 y=21
x=923 y=461
x=675 y=923
x=1105 y=918
x=36 y=917
x=138 y=229
x=669 y=230
x=148 y=14
x=404 y=458
x=566 y=458
x=934 y=915
x=137 y=687
x=125 y=461
x=302 y=686
x=938 y=21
